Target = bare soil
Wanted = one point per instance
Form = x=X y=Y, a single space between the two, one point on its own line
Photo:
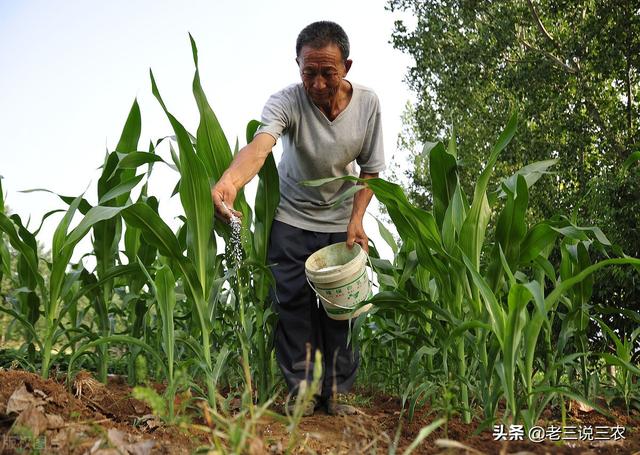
x=46 y=416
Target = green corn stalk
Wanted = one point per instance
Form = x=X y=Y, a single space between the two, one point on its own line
x=196 y=201
x=198 y=169
x=5 y=256
x=114 y=187
x=626 y=372
x=266 y=203
x=574 y=259
x=137 y=250
x=166 y=300
x=64 y=243
x=213 y=148
x=86 y=285
x=28 y=299
x=28 y=256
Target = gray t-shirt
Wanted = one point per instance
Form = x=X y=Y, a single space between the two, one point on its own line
x=314 y=148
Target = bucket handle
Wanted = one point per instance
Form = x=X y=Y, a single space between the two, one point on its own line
x=330 y=302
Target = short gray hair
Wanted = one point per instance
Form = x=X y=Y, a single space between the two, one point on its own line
x=322 y=33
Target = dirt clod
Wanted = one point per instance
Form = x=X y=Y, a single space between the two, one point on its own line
x=21 y=399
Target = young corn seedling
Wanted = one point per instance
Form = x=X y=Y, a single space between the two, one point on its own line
x=625 y=373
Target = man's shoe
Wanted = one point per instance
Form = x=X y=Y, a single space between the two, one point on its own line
x=337 y=406
x=308 y=410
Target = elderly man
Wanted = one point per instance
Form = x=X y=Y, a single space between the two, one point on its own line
x=327 y=124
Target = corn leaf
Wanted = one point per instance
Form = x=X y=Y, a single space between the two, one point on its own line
x=95 y=215
x=134 y=160
x=33 y=334
x=116 y=339
x=537 y=239
x=211 y=143
x=131 y=132
x=30 y=255
x=61 y=255
x=635 y=156
x=518 y=298
x=195 y=195
x=567 y=284
x=122 y=188
x=475 y=225
x=531 y=173
x=423 y=434
x=387 y=237
x=613 y=360
x=511 y=229
x=444 y=179
x=493 y=307
x=156 y=232
x=84 y=206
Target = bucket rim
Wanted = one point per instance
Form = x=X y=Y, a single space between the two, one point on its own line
x=358 y=260
x=364 y=271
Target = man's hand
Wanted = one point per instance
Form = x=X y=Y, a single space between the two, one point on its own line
x=355 y=229
x=243 y=168
x=356 y=234
x=224 y=194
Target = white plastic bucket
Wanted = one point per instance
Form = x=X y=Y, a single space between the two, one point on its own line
x=338 y=275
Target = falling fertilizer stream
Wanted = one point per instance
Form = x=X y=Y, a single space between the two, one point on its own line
x=236 y=238
x=236 y=256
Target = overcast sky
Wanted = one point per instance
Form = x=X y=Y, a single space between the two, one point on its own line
x=71 y=70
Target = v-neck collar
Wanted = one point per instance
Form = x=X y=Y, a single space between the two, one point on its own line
x=341 y=114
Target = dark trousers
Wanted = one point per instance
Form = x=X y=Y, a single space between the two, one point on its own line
x=301 y=320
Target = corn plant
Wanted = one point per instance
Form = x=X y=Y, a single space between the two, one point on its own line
x=200 y=161
x=625 y=374
x=55 y=297
x=79 y=310
x=495 y=321
x=27 y=282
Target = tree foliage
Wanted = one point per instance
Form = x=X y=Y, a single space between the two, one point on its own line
x=570 y=68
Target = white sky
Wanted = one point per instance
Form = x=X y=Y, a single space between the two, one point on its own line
x=71 y=69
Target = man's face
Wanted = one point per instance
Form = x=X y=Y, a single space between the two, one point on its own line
x=322 y=71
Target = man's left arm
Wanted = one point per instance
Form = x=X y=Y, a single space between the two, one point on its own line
x=355 y=229
x=371 y=162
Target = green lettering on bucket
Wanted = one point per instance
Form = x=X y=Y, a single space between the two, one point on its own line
x=346 y=284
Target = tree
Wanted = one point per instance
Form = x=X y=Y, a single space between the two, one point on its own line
x=571 y=70
x=616 y=202
x=569 y=67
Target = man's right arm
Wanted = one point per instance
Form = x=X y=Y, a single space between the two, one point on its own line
x=246 y=164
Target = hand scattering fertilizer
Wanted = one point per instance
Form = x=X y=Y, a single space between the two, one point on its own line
x=338 y=275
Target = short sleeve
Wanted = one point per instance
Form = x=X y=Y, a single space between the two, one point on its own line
x=371 y=158
x=276 y=114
